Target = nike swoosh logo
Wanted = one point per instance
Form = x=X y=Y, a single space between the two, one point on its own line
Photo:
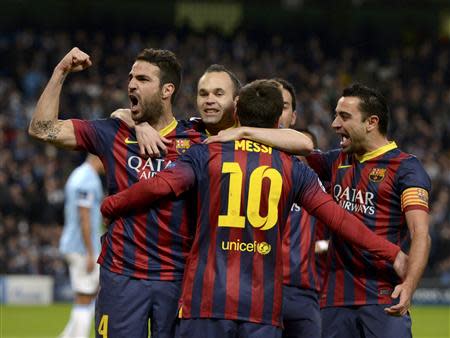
x=128 y=141
x=344 y=166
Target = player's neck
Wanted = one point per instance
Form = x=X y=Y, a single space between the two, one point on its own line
x=164 y=120
x=373 y=142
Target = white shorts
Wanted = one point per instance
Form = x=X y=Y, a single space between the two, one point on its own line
x=80 y=279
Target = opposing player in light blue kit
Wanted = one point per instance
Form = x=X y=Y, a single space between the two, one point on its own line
x=80 y=242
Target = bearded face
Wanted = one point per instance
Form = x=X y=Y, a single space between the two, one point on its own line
x=144 y=92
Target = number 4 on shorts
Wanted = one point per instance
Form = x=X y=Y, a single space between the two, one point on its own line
x=103 y=326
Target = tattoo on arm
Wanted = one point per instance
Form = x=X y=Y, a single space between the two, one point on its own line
x=49 y=130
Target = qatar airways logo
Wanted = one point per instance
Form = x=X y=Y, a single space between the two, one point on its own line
x=354 y=200
x=147 y=168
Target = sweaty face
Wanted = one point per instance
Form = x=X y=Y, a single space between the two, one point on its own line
x=215 y=101
x=288 y=116
x=144 y=92
x=349 y=124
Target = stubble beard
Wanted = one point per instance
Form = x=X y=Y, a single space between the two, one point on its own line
x=152 y=110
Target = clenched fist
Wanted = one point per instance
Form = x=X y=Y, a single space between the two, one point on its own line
x=74 y=61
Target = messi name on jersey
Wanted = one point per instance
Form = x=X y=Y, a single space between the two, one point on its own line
x=251 y=146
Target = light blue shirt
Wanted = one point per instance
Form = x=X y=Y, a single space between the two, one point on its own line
x=83 y=189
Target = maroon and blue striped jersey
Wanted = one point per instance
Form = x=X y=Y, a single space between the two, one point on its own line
x=299 y=266
x=377 y=188
x=153 y=244
x=245 y=191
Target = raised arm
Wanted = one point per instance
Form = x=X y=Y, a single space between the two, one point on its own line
x=45 y=125
x=151 y=143
x=288 y=140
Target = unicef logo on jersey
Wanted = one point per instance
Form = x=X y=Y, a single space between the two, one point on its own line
x=263 y=248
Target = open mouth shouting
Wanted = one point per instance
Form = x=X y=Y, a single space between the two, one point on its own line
x=134 y=103
x=345 y=140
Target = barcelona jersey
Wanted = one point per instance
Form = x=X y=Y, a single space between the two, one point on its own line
x=378 y=189
x=148 y=245
x=299 y=266
x=244 y=191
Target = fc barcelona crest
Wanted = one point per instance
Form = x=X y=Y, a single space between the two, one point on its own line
x=377 y=174
x=182 y=144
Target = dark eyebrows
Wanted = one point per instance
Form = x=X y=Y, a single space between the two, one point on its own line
x=142 y=77
x=214 y=90
x=343 y=113
x=138 y=76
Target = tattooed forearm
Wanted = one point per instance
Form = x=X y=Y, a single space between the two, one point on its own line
x=46 y=130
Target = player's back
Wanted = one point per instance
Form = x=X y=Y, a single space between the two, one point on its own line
x=245 y=191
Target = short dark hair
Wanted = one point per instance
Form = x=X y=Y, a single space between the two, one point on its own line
x=372 y=102
x=290 y=88
x=168 y=64
x=260 y=104
x=215 y=68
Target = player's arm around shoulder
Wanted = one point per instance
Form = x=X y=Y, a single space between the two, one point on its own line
x=150 y=142
x=285 y=139
x=288 y=140
x=45 y=125
x=125 y=115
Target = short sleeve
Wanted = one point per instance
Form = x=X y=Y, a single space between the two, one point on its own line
x=84 y=197
x=95 y=136
x=414 y=185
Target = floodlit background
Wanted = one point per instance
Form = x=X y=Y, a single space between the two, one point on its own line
x=401 y=47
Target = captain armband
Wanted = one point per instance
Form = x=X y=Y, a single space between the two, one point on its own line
x=414 y=198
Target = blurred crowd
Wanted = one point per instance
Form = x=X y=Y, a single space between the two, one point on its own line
x=415 y=79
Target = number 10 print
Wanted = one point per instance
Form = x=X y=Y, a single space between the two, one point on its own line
x=233 y=216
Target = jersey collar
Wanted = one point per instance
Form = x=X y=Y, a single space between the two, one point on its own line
x=377 y=152
x=170 y=127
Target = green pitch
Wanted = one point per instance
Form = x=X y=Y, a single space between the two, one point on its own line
x=49 y=321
